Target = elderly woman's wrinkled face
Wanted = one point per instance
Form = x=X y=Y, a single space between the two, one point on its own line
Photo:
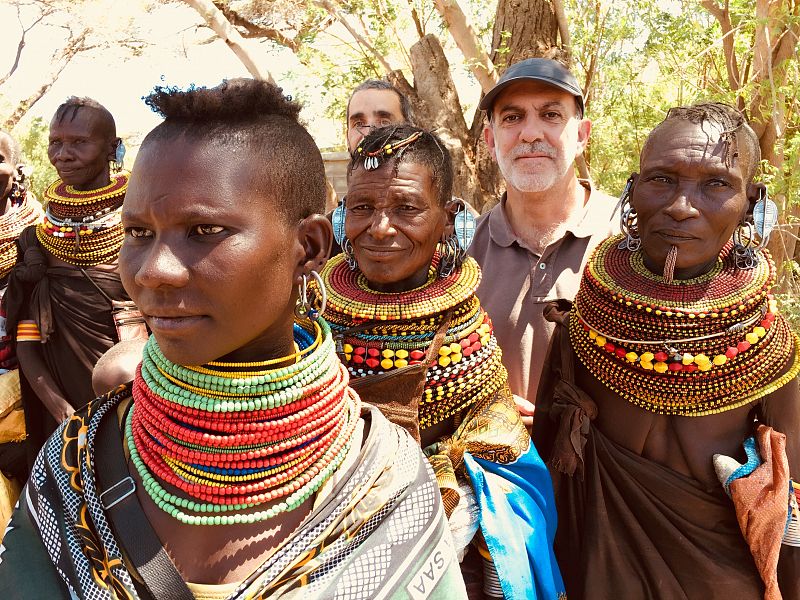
x=211 y=262
x=686 y=196
x=394 y=222
x=7 y=166
x=80 y=148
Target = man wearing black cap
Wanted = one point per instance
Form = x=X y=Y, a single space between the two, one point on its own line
x=534 y=243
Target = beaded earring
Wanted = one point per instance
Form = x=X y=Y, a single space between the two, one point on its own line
x=303 y=308
x=463 y=227
x=18 y=187
x=119 y=156
x=628 y=220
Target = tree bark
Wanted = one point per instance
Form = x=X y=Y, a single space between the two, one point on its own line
x=522 y=29
x=229 y=34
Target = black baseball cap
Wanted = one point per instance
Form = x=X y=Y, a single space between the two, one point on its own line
x=538 y=69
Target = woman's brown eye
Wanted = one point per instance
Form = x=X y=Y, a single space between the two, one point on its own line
x=209 y=229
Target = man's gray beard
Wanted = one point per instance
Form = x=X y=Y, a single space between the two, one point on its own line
x=539 y=181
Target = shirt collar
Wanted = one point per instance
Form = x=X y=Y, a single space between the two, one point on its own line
x=598 y=209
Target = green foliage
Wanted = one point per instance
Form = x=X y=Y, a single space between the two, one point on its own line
x=34 y=153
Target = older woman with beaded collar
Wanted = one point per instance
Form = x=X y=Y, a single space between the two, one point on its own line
x=672 y=355
x=238 y=463
x=418 y=345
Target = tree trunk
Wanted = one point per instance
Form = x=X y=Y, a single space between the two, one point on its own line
x=437 y=108
x=522 y=29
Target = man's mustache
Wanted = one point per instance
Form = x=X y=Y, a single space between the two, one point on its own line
x=534 y=148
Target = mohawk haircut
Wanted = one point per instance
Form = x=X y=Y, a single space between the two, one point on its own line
x=256 y=117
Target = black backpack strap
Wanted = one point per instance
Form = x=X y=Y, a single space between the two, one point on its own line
x=131 y=528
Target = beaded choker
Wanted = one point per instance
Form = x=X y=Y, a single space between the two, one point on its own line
x=84 y=228
x=690 y=347
x=23 y=212
x=379 y=333
x=232 y=437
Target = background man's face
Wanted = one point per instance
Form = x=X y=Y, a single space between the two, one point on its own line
x=369 y=109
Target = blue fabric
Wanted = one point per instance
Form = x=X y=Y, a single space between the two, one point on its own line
x=753 y=462
x=518 y=521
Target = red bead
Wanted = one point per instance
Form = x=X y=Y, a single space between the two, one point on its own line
x=690 y=368
x=661 y=356
x=372 y=362
x=766 y=323
x=609 y=347
x=675 y=366
x=473 y=337
x=731 y=352
x=373 y=352
x=743 y=346
x=357 y=359
x=620 y=352
x=464 y=343
x=416 y=355
x=467 y=351
x=359 y=350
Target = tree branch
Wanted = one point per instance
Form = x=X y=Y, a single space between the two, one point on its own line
x=480 y=65
x=230 y=35
x=336 y=14
x=723 y=17
x=254 y=30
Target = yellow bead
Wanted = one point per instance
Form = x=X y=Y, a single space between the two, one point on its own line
x=646 y=364
x=455 y=347
x=401 y=353
x=658 y=312
x=400 y=363
x=592 y=334
x=705 y=366
x=348 y=349
x=661 y=367
x=647 y=357
x=631 y=356
x=720 y=359
x=348 y=356
x=600 y=340
x=387 y=363
x=760 y=331
x=444 y=351
x=687 y=359
x=752 y=338
x=387 y=353
x=444 y=361
x=455 y=357
x=648 y=309
x=702 y=359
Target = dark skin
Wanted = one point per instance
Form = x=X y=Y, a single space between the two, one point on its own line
x=80 y=149
x=394 y=222
x=8 y=166
x=686 y=196
x=214 y=266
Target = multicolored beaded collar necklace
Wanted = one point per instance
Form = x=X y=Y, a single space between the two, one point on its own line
x=690 y=347
x=22 y=213
x=84 y=228
x=232 y=437
x=394 y=331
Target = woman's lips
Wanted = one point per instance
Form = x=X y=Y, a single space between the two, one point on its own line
x=175 y=323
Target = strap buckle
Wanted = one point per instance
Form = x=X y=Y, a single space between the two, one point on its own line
x=124 y=493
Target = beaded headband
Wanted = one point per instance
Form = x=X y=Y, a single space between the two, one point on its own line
x=372 y=160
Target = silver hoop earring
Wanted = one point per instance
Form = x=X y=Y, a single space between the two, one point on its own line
x=744 y=250
x=628 y=220
x=448 y=256
x=304 y=308
x=349 y=257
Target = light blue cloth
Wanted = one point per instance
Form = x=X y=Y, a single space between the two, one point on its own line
x=518 y=521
